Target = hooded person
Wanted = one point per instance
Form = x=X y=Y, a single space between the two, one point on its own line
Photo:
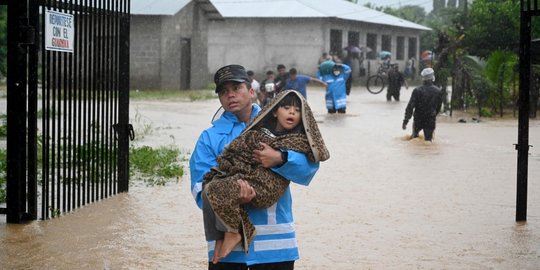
x=424 y=104
x=286 y=123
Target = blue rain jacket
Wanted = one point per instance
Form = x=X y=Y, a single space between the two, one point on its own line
x=276 y=239
x=336 y=95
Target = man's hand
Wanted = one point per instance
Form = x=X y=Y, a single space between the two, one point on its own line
x=247 y=193
x=267 y=156
x=404 y=125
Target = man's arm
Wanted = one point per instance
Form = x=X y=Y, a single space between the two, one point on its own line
x=297 y=168
x=409 y=109
x=346 y=70
x=311 y=79
x=201 y=161
x=440 y=101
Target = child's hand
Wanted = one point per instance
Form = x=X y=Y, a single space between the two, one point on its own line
x=267 y=156
x=247 y=193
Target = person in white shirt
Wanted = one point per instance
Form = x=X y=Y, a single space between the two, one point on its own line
x=255 y=85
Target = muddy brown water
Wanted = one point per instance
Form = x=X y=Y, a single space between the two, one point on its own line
x=381 y=202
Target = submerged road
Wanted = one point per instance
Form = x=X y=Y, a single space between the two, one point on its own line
x=381 y=201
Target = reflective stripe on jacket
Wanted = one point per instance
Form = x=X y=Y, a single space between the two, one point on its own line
x=336 y=94
x=276 y=238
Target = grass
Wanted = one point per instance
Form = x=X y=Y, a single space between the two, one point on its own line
x=155 y=166
x=181 y=95
x=3 y=125
x=3 y=169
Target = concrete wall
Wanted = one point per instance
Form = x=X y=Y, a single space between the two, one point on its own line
x=187 y=25
x=258 y=44
x=366 y=28
x=145 y=52
x=156 y=50
x=261 y=44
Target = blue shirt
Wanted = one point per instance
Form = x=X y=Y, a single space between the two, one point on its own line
x=276 y=238
x=299 y=84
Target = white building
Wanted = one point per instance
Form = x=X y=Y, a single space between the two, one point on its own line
x=179 y=44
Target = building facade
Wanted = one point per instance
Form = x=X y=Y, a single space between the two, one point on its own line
x=181 y=49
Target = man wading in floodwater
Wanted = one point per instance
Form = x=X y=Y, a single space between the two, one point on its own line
x=275 y=245
x=426 y=103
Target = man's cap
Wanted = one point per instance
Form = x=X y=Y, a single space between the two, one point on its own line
x=280 y=66
x=428 y=74
x=230 y=73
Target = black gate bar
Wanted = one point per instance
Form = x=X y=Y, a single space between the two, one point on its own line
x=85 y=132
x=16 y=111
x=528 y=10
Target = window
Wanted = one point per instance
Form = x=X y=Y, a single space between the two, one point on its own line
x=412 y=47
x=353 y=38
x=336 y=45
x=386 y=43
x=371 y=42
x=400 y=49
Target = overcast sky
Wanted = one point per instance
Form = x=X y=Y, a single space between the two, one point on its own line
x=426 y=4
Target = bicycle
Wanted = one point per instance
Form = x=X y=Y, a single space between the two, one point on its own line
x=376 y=83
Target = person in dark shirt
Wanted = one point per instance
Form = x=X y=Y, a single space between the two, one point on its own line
x=395 y=81
x=281 y=78
x=425 y=104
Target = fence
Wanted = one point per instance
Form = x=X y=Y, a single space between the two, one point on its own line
x=67 y=104
x=528 y=9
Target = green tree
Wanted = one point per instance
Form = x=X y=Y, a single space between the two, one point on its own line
x=3 y=41
x=373 y=6
x=493 y=25
x=500 y=71
x=412 y=13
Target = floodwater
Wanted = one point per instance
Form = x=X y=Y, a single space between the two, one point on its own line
x=381 y=201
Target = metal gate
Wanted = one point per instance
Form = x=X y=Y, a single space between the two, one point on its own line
x=67 y=105
x=528 y=9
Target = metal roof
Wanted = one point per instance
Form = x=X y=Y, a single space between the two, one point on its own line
x=157 y=7
x=309 y=9
x=275 y=9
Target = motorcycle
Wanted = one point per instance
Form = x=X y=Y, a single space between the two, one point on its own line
x=270 y=91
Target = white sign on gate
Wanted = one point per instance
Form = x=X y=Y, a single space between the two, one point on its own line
x=59 y=31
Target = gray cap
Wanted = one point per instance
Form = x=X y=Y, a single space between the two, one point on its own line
x=428 y=74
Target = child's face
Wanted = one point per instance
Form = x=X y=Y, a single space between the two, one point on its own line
x=288 y=117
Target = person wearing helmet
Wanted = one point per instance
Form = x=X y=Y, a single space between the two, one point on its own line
x=425 y=104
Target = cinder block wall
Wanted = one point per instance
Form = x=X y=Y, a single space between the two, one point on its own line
x=145 y=52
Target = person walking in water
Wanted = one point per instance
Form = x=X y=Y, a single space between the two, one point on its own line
x=395 y=81
x=335 y=76
x=274 y=224
x=281 y=125
x=425 y=104
x=299 y=82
